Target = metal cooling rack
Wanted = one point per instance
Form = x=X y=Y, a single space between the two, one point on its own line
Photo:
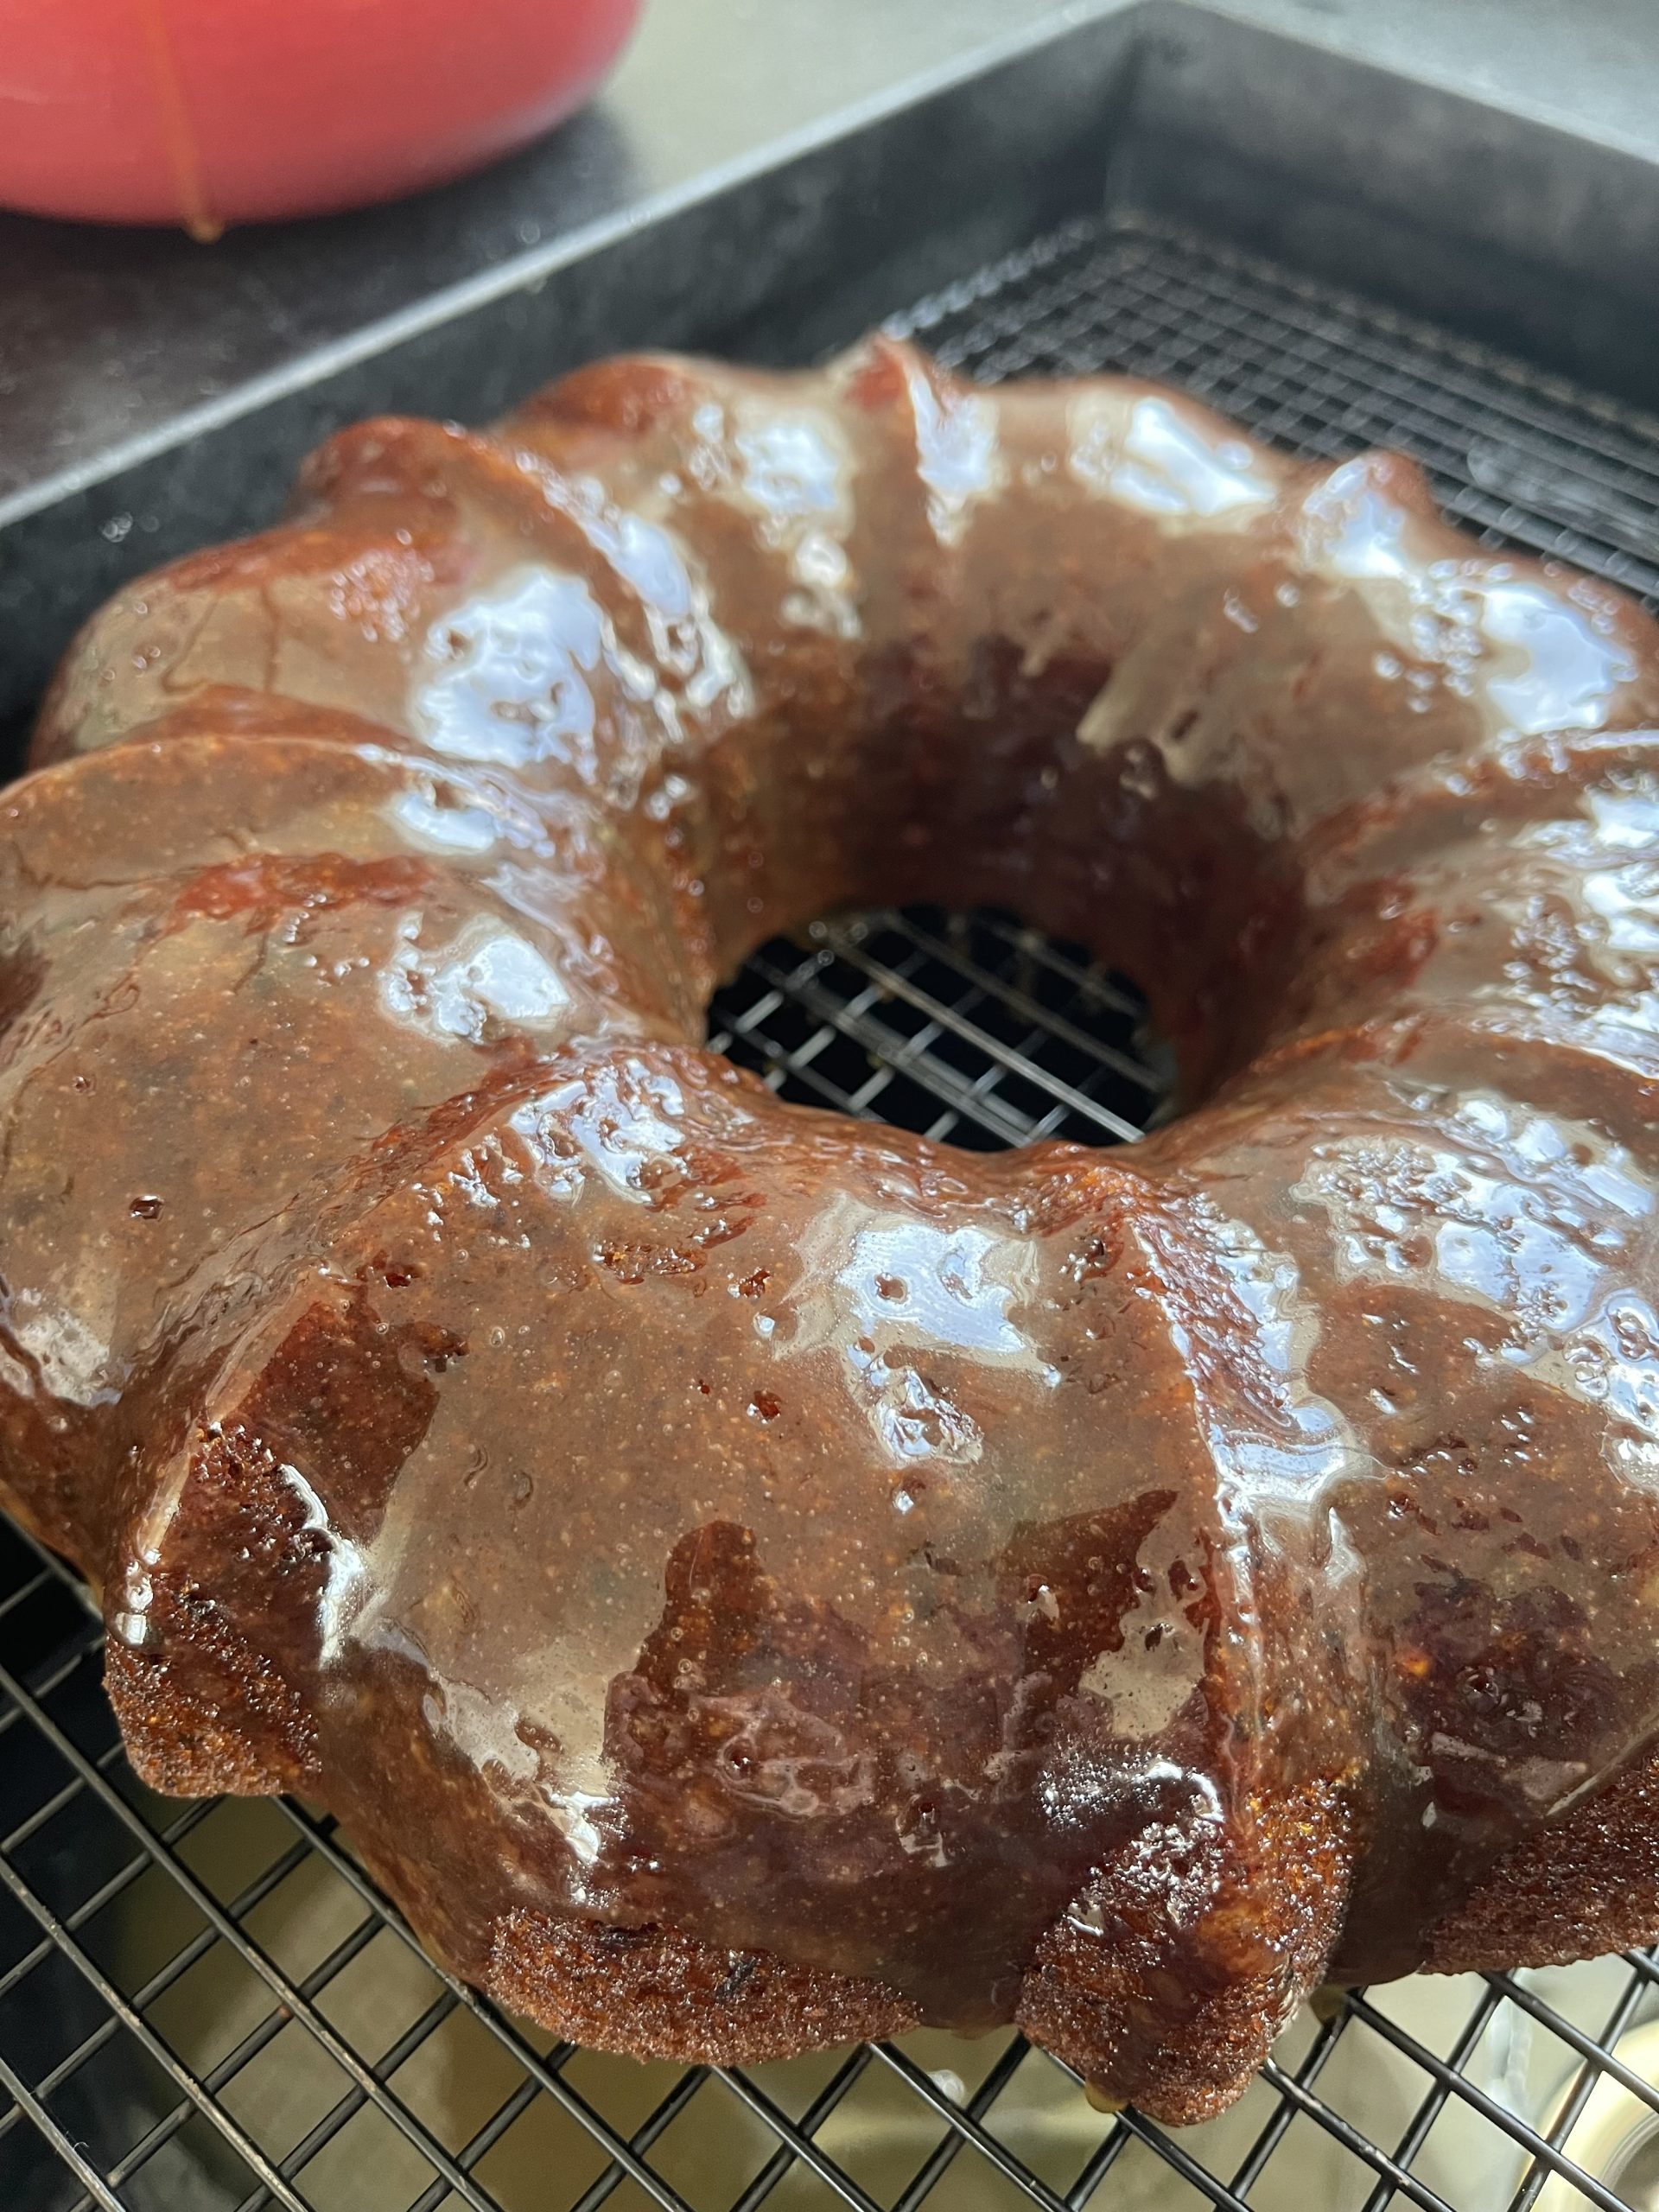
x=208 y=2008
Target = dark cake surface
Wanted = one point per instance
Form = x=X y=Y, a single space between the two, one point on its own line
x=747 y=1580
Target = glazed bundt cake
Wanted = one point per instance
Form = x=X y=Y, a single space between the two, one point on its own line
x=746 y=1579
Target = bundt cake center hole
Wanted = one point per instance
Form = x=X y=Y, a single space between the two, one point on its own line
x=969 y=1026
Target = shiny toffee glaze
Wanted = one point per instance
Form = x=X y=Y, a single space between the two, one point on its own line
x=617 y=1493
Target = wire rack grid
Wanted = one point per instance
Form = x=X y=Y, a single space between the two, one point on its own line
x=207 y=2007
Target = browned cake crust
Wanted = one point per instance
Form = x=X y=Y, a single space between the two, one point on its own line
x=655 y=1993
x=1588 y=1882
x=747 y=1580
